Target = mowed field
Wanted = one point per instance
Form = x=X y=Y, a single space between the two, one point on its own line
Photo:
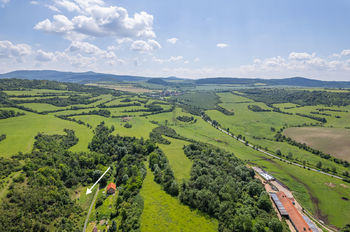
x=179 y=162
x=20 y=132
x=163 y=212
x=334 y=141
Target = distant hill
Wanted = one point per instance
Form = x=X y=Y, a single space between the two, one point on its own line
x=92 y=77
x=75 y=77
x=294 y=81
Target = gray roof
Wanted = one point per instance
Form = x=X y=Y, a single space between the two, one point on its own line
x=279 y=205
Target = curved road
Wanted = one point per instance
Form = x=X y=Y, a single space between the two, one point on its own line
x=274 y=156
x=92 y=205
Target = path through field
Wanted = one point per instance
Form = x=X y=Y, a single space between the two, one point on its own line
x=92 y=205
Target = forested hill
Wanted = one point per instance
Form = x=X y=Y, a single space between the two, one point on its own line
x=92 y=77
x=294 y=81
x=75 y=77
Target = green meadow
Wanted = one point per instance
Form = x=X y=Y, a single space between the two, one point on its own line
x=20 y=132
x=163 y=212
x=179 y=163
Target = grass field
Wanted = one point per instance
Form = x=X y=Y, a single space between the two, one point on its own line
x=127 y=88
x=205 y=100
x=141 y=127
x=20 y=132
x=310 y=188
x=179 y=162
x=40 y=107
x=35 y=92
x=165 y=213
x=334 y=141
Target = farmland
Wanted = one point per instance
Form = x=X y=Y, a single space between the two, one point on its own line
x=112 y=128
x=335 y=141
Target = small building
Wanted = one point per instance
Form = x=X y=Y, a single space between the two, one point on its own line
x=111 y=188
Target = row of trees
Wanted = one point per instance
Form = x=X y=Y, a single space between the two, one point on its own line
x=299 y=97
x=163 y=174
x=9 y=114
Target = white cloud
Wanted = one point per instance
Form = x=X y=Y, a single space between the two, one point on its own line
x=34 y=2
x=90 y=49
x=95 y=19
x=172 y=40
x=145 y=46
x=124 y=40
x=345 y=52
x=196 y=59
x=61 y=24
x=44 y=56
x=221 y=45
x=68 y=5
x=300 y=56
x=3 y=3
x=171 y=59
x=17 y=51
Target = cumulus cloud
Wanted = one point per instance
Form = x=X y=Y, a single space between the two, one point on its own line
x=172 y=40
x=221 y=45
x=44 y=56
x=145 y=46
x=95 y=19
x=90 y=49
x=17 y=51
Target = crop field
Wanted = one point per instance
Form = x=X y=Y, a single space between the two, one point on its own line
x=165 y=213
x=334 y=141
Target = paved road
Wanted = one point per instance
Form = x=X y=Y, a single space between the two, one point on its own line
x=274 y=156
x=92 y=205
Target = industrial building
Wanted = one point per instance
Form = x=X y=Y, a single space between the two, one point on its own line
x=287 y=210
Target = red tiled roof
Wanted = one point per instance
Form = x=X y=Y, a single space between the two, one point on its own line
x=296 y=218
x=111 y=186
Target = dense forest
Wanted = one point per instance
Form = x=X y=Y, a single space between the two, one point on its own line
x=300 y=97
x=222 y=186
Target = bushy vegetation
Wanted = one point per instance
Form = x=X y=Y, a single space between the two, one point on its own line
x=128 y=154
x=163 y=174
x=185 y=118
x=2 y=137
x=222 y=186
x=156 y=134
x=61 y=102
x=256 y=108
x=22 y=84
x=9 y=114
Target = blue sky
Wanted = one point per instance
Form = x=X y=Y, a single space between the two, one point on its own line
x=261 y=38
